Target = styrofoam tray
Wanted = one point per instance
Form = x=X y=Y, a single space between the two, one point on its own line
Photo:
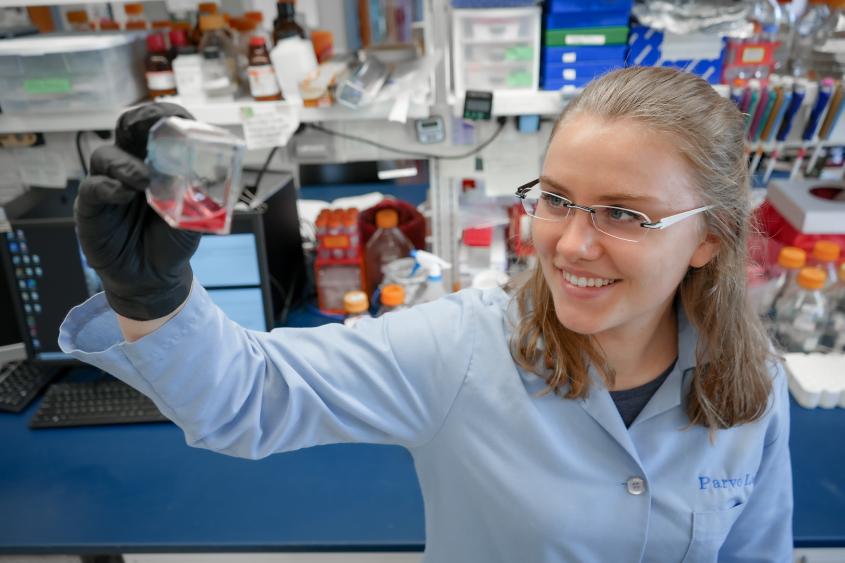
x=817 y=380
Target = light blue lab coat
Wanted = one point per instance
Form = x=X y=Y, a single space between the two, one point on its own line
x=507 y=474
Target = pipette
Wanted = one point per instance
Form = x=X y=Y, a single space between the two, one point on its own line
x=825 y=92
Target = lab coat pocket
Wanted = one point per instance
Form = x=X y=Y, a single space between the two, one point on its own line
x=709 y=531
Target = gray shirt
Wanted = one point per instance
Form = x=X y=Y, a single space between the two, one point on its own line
x=631 y=401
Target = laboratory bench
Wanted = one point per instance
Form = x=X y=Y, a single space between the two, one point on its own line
x=140 y=488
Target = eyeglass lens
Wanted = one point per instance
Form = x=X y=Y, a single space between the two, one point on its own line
x=617 y=222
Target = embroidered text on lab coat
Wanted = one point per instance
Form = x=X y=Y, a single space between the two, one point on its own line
x=705 y=482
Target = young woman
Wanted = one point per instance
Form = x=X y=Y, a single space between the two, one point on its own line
x=619 y=405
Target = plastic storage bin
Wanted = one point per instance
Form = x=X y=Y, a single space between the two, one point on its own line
x=62 y=73
x=496 y=49
x=586 y=19
x=567 y=6
x=569 y=55
x=698 y=53
x=559 y=75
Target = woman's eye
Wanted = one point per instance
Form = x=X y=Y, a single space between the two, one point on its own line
x=554 y=201
x=622 y=215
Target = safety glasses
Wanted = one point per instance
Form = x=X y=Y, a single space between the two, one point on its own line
x=618 y=222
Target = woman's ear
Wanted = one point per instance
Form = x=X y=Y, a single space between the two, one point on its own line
x=706 y=251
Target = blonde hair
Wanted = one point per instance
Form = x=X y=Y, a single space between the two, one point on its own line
x=730 y=384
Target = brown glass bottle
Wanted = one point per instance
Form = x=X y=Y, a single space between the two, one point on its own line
x=263 y=84
x=157 y=71
x=285 y=24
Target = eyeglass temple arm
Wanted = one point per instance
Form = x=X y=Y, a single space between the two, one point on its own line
x=672 y=219
x=523 y=189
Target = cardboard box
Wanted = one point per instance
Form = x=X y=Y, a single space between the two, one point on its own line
x=811 y=206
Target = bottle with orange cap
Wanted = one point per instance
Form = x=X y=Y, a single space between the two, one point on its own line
x=387 y=245
x=790 y=261
x=802 y=316
x=356 y=305
x=392 y=299
x=135 y=18
x=835 y=294
x=78 y=20
x=825 y=256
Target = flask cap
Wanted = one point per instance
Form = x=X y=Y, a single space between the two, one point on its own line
x=392 y=295
x=792 y=257
x=355 y=302
x=811 y=278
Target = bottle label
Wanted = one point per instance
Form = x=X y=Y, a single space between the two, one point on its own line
x=262 y=81
x=161 y=80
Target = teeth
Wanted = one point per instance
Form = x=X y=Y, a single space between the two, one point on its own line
x=587 y=282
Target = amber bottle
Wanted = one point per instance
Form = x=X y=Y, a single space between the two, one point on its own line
x=263 y=84
x=158 y=72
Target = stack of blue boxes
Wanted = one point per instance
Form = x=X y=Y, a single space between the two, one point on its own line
x=699 y=53
x=582 y=40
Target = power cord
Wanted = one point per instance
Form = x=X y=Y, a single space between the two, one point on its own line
x=79 y=152
x=501 y=120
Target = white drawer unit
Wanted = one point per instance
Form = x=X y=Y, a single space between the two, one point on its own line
x=496 y=49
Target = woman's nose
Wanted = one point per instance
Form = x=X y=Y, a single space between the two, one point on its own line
x=578 y=237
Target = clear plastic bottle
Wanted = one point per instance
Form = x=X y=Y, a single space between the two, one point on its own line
x=218 y=53
x=801 y=318
x=385 y=246
x=835 y=295
x=790 y=261
x=356 y=304
x=825 y=256
x=809 y=30
x=786 y=32
x=392 y=299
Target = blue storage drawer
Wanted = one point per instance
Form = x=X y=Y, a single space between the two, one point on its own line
x=586 y=19
x=565 y=6
x=577 y=72
x=569 y=55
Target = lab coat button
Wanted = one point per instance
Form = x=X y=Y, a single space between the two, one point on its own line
x=636 y=485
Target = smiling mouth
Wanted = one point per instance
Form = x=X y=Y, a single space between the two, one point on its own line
x=578 y=281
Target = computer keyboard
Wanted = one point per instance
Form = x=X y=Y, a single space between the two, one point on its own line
x=93 y=403
x=20 y=382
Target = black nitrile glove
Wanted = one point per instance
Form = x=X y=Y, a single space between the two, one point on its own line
x=143 y=262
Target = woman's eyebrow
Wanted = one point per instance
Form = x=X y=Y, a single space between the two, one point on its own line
x=616 y=197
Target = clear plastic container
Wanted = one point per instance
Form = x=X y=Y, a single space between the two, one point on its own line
x=835 y=295
x=810 y=31
x=387 y=245
x=195 y=173
x=496 y=49
x=790 y=261
x=219 y=66
x=801 y=318
x=63 y=73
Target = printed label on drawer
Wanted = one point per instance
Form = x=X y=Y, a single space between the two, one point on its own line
x=46 y=86
x=569 y=57
x=585 y=39
x=519 y=53
x=569 y=74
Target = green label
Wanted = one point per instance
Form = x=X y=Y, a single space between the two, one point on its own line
x=46 y=86
x=519 y=80
x=519 y=53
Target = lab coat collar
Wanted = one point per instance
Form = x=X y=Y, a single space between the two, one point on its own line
x=670 y=395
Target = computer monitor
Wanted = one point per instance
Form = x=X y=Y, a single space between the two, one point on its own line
x=48 y=275
x=11 y=341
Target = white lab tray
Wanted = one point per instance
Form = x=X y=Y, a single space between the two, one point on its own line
x=817 y=380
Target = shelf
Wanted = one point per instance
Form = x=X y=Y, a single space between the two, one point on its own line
x=21 y=3
x=520 y=102
x=225 y=113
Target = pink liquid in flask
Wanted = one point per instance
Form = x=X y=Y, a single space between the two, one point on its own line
x=199 y=212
